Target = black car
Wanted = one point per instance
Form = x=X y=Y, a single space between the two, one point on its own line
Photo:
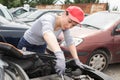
x=11 y=31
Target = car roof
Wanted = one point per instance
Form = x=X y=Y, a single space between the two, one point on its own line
x=12 y=10
x=39 y=12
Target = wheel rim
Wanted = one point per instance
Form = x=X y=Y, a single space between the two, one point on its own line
x=98 y=61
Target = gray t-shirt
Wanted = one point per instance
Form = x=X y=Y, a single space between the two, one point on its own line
x=45 y=23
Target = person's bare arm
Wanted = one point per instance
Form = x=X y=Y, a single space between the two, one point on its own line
x=73 y=51
x=74 y=54
x=51 y=40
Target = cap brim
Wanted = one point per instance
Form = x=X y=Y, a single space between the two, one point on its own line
x=73 y=18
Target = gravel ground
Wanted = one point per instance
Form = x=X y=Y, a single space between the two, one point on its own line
x=113 y=71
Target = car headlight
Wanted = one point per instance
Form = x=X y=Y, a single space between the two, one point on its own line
x=77 y=41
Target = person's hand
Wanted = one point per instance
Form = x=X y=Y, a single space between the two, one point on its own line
x=82 y=66
x=60 y=63
x=78 y=63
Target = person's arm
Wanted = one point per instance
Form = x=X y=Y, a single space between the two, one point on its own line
x=51 y=40
x=70 y=44
x=73 y=51
x=74 y=54
x=72 y=48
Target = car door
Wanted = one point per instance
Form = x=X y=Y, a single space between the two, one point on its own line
x=116 y=33
x=11 y=31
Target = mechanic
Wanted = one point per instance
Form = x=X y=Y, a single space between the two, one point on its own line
x=46 y=30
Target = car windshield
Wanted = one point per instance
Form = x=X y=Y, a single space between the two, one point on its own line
x=101 y=20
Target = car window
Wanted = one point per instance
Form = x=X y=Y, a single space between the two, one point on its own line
x=116 y=31
x=33 y=9
x=1 y=13
x=118 y=26
x=18 y=12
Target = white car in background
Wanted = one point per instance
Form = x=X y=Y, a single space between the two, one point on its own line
x=5 y=13
x=30 y=19
x=20 y=10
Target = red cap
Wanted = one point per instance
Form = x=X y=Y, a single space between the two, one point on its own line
x=75 y=13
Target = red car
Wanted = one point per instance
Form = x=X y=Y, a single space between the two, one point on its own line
x=97 y=40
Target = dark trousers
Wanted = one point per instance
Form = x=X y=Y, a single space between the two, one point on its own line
x=29 y=47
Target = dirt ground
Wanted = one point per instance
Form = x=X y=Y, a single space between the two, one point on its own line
x=113 y=71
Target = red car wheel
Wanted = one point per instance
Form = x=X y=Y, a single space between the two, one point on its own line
x=98 y=60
